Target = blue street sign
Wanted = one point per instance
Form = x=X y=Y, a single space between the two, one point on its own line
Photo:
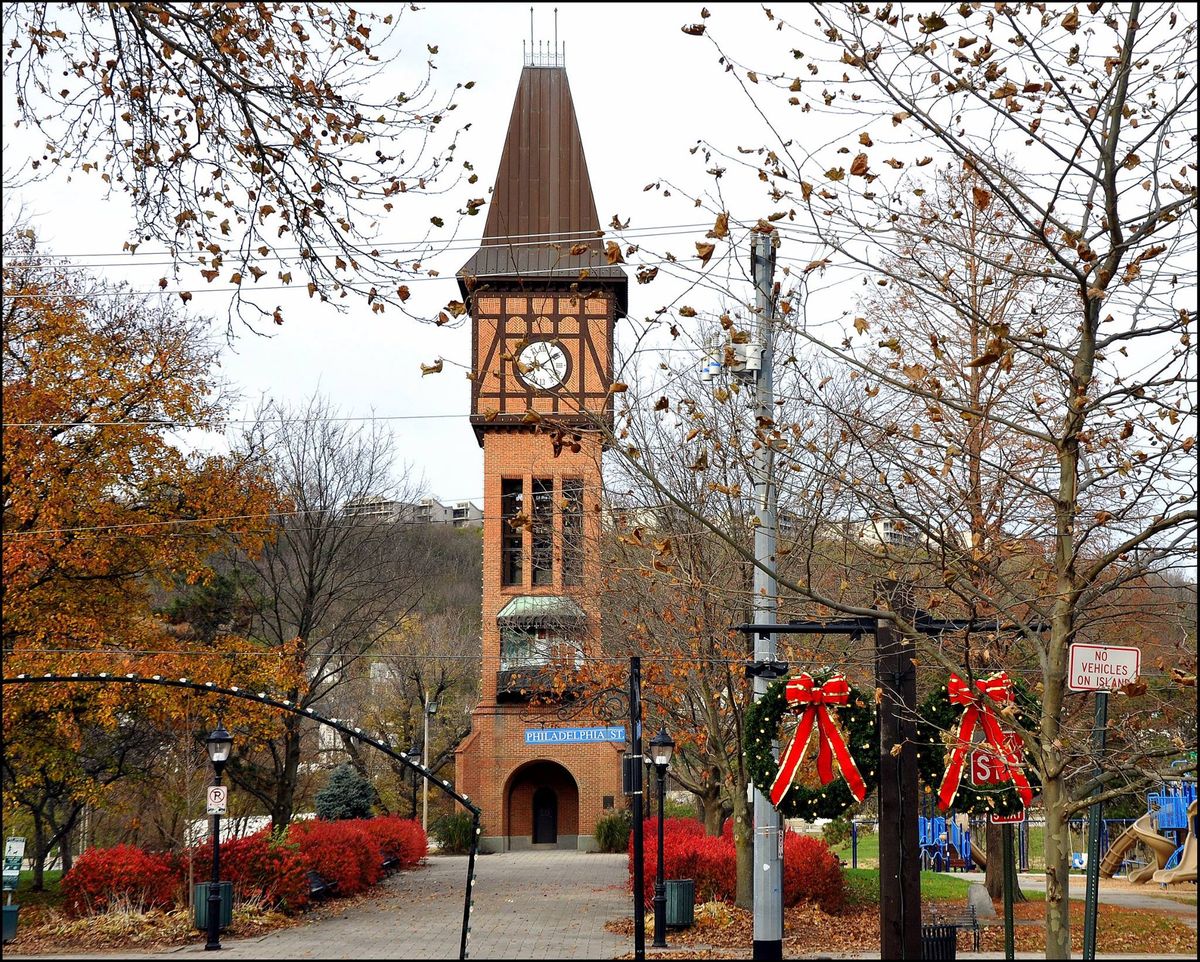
x=574 y=736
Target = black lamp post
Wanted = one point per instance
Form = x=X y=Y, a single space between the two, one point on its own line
x=219 y=745
x=661 y=746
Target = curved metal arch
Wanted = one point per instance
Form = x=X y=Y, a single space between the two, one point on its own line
x=262 y=698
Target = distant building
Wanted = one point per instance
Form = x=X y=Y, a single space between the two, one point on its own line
x=464 y=514
x=467 y=514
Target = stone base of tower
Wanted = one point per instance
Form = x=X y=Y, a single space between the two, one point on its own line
x=535 y=796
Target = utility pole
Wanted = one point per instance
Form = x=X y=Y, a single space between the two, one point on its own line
x=768 y=838
x=899 y=849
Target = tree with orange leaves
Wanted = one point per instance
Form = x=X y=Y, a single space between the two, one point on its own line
x=99 y=506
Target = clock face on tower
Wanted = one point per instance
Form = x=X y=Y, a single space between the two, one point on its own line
x=543 y=364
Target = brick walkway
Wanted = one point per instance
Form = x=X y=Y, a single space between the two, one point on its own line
x=528 y=905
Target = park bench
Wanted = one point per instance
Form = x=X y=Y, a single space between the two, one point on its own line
x=962 y=919
x=318 y=886
x=390 y=862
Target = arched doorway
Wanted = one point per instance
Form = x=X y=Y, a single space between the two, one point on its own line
x=541 y=807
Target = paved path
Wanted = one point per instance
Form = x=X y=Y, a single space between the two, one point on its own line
x=1150 y=898
x=528 y=905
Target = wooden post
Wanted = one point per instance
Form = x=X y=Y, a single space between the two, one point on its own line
x=899 y=851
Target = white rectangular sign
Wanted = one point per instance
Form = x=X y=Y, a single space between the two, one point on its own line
x=218 y=799
x=1102 y=667
x=1007 y=819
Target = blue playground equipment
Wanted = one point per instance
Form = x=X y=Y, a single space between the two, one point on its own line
x=1169 y=809
x=945 y=845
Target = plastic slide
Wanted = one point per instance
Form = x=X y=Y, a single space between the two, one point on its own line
x=977 y=855
x=1140 y=831
x=1185 y=871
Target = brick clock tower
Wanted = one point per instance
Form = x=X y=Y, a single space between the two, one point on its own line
x=543 y=301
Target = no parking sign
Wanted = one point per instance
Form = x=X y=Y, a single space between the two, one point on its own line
x=218 y=799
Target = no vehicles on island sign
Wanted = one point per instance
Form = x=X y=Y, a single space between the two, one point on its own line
x=1102 y=667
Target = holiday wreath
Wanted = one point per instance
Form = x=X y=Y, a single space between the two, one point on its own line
x=846 y=731
x=951 y=717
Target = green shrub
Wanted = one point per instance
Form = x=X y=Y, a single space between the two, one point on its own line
x=346 y=795
x=453 y=833
x=612 y=831
x=836 y=831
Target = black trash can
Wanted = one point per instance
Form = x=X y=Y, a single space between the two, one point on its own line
x=681 y=902
x=939 y=942
x=200 y=905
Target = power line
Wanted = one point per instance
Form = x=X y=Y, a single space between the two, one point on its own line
x=508 y=240
x=220 y=422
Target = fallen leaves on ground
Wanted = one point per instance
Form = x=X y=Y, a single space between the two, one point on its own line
x=1118 y=929
x=724 y=931
x=49 y=930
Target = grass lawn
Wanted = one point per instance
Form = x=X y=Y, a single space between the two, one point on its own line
x=862 y=886
x=868 y=850
x=24 y=895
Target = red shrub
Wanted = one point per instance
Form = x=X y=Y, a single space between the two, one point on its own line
x=344 y=852
x=812 y=873
x=260 y=867
x=101 y=876
x=398 y=838
x=689 y=853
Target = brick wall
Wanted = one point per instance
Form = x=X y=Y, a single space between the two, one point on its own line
x=493 y=764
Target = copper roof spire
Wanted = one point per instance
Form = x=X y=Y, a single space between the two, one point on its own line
x=542 y=204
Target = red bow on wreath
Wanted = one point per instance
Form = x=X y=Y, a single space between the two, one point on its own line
x=803 y=693
x=996 y=689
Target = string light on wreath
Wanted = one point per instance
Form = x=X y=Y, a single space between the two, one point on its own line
x=846 y=729
x=963 y=711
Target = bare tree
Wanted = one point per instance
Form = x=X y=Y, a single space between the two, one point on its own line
x=335 y=580
x=251 y=139
x=1098 y=105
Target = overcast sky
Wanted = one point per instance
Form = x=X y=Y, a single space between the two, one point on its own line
x=644 y=93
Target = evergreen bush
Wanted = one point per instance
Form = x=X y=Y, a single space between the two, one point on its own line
x=346 y=795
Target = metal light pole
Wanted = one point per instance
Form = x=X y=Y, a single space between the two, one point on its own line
x=768 y=838
x=661 y=746
x=414 y=754
x=219 y=745
x=430 y=709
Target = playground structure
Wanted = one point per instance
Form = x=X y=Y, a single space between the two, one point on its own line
x=1168 y=830
x=945 y=844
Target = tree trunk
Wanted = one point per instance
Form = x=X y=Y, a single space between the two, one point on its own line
x=40 y=849
x=743 y=842
x=1058 y=869
x=993 y=875
x=712 y=811
x=283 y=807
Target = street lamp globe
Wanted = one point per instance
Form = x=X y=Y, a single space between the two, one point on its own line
x=219 y=745
x=661 y=747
